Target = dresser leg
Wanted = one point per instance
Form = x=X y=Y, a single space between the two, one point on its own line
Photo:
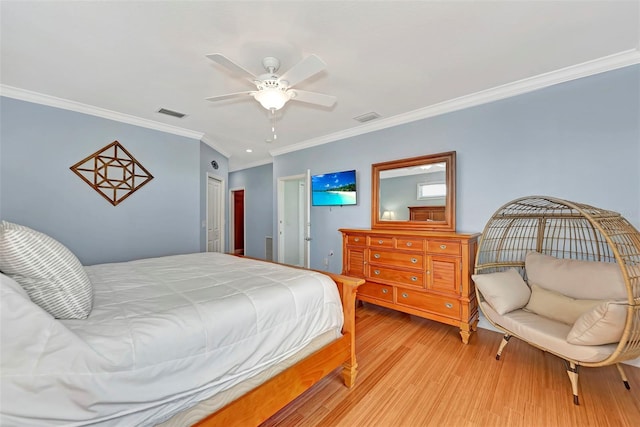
x=465 y=332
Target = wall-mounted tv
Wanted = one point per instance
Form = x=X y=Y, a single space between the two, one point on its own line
x=334 y=189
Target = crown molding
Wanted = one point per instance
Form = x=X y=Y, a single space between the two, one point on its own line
x=585 y=69
x=215 y=146
x=65 y=104
x=251 y=165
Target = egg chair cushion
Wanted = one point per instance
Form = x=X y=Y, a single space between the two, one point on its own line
x=574 y=278
x=603 y=324
x=505 y=290
x=556 y=306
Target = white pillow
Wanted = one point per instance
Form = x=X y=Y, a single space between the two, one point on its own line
x=50 y=273
x=603 y=324
x=556 y=306
x=505 y=291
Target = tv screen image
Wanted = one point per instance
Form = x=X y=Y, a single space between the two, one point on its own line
x=334 y=189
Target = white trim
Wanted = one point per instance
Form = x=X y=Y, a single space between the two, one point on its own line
x=215 y=146
x=252 y=165
x=596 y=66
x=65 y=104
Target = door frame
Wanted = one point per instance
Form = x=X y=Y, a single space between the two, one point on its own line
x=221 y=211
x=232 y=219
x=303 y=216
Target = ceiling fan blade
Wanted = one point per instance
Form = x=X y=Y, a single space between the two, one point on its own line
x=303 y=70
x=313 y=98
x=229 y=96
x=232 y=66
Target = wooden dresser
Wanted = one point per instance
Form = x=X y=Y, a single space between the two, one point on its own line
x=424 y=273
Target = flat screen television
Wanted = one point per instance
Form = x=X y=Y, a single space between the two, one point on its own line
x=334 y=189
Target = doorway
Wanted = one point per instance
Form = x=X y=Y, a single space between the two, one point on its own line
x=215 y=214
x=294 y=223
x=237 y=233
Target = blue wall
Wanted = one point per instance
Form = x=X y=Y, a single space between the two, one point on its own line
x=38 y=144
x=258 y=205
x=578 y=140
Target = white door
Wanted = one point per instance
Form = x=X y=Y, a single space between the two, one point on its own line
x=307 y=219
x=294 y=226
x=215 y=211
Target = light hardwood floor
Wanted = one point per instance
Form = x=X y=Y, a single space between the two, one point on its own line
x=416 y=372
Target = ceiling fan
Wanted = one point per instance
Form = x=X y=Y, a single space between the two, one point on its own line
x=273 y=91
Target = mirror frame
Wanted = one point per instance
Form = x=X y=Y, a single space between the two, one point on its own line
x=449 y=224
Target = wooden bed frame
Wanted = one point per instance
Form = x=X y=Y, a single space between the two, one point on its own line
x=262 y=402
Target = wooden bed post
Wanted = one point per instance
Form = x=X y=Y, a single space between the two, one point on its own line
x=348 y=287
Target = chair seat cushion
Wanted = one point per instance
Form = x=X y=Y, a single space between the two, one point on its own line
x=547 y=334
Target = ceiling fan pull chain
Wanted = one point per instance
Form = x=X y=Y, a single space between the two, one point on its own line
x=273 y=123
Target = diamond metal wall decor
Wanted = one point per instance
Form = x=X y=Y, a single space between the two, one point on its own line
x=113 y=172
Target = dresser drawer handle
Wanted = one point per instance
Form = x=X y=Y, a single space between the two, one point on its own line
x=385 y=291
x=443 y=246
x=414 y=279
x=414 y=260
x=409 y=244
x=448 y=305
x=357 y=239
x=376 y=272
x=381 y=241
x=405 y=295
x=376 y=256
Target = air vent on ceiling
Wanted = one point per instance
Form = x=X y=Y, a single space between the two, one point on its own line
x=367 y=117
x=171 y=113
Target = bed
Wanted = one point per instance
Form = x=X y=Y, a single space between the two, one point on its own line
x=204 y=338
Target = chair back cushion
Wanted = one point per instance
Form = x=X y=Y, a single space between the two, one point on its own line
x=554 y=305
x=576 y=279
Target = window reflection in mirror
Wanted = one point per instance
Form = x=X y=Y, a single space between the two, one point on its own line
x=414 y=193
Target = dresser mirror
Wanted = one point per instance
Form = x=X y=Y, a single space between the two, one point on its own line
x=417 y=193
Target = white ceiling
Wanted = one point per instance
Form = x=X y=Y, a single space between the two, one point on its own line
x=397 y=58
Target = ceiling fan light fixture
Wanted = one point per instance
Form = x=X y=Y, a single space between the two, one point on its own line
x=272 y=98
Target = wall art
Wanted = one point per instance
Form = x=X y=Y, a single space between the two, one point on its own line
x=113 y=172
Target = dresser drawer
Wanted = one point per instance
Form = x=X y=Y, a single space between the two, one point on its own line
x=444 y=247
x=381 y=241
x=449 y=307
x=356 y=240
x=374 y=290
x=390 y=275
x=409 y=244
x=399 y=259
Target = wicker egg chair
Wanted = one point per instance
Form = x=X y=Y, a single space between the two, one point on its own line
x=564 y=229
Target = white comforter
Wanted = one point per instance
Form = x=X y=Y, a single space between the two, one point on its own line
x=164 y=333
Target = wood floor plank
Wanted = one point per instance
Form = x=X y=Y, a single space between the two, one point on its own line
x=416 y=372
